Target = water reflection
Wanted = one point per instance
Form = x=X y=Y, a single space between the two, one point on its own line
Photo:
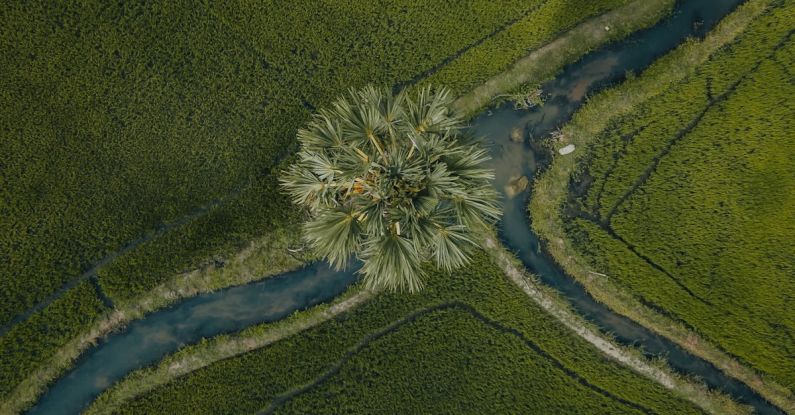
x=146 y=341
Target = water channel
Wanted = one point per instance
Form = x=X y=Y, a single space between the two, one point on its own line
x=146 y=341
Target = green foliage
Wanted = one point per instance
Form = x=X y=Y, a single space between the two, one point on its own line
x=26 y=345
x=388 y=178
x=465 y=338
x=692 y=198
x=221 y=231
x=500 y=51
x=390 y=373
x=121 y=119
x=526 y=98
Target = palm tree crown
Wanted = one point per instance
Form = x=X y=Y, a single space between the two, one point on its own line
x=393 y=181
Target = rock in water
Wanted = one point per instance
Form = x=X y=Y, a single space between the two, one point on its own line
x=517 y=135
x=516 y=185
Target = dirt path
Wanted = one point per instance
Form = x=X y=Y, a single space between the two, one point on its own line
x=547 y=60
x=218 y=348
x=557 y=307
x=551 y=190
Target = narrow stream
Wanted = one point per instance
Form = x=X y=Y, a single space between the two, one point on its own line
x=511 y=132
x=146 y=341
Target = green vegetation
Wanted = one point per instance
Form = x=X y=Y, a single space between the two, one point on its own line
x=683 y=195
x=511 y=373
x=156 y=128
x=261 y=258
x=535 y=67
x=153 y=112
x=706 y=168
x=147 y=125
x=497 y=53
x=62 y=320
x=390 y=179
x=394 y=341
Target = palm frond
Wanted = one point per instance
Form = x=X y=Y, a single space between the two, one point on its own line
x=391 y=262
x=392 y=112
x=430 y=111
x=451 y=246
x=305 y=188
x=320 y=165
x=478 y=208
x=335 y=234
x=391 y=179
x=322 y=132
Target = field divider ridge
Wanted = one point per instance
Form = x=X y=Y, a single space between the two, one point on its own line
x=550 y=192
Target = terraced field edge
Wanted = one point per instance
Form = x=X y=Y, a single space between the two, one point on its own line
x=152 y=275
x=533 y=68
x=551 y=192
x=250 y=381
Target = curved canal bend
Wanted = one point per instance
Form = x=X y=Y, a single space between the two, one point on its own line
x=146 y=341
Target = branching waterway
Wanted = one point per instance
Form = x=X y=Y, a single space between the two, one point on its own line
x=511 y=134
x=146 y=341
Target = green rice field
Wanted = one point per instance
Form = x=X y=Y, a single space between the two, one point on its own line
x=141 y=139
x=469 y=343
x=143 y=145
x=687 y=200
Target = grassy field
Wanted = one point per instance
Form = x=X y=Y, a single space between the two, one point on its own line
x=130 y=117
x=550 y=306
x=142 y=114
x=685 y=199
x=20 y=353
x=498 y=349
x=154 y=130
x=393 y=372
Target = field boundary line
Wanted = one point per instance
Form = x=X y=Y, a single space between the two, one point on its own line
x=547 y=60
x=551 y=189
x=712 y=102
x=281 y=399
x=710 y=401
x=563 y=50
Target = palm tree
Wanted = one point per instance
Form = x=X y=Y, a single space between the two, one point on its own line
x=391 y=179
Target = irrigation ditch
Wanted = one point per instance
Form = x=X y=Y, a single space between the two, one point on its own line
x=564 y=94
